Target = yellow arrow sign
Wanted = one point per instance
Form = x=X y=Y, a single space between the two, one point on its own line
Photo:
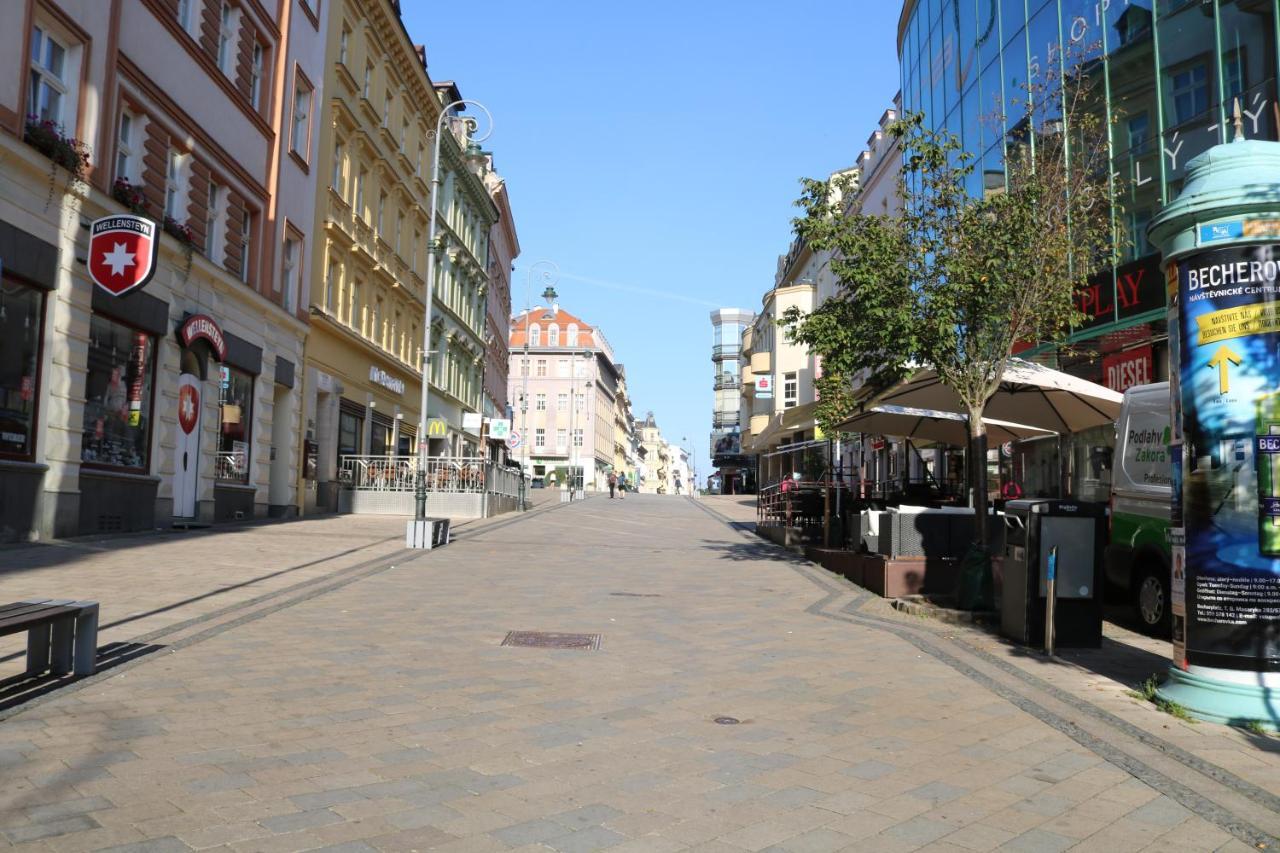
x=1223 y=359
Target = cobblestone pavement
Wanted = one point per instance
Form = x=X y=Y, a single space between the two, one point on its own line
x=366 y=703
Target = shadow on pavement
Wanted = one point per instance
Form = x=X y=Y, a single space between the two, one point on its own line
x=20 y=689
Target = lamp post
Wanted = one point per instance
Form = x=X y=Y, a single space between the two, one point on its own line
x=420 y=493
x=550 y=273
x=693 y=463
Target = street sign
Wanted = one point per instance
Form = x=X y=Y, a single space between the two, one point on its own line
x=499 y=429
x=513 y=439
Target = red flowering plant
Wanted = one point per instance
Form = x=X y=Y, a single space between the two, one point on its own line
x=180 y=231
x=47 y=137
x=130 y=195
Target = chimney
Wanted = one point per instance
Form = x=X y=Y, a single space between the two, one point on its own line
x=421 y=50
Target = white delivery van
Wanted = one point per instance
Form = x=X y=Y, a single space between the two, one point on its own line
x=1137 y=557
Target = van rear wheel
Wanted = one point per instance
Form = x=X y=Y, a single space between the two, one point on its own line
x=1151 y=599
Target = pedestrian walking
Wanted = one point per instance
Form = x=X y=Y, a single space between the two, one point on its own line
x=613 y=484
x=622 y=487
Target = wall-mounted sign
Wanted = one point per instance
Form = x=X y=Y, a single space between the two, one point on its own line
x=499 y=429
x=1236 y=229
x=471 y=421
x=764 y=387
x=201 y=327
x=1137 y=288
x=437 y=428
x=1122 y=370
x=122 y=252
x=513 y=440
x=378 y=376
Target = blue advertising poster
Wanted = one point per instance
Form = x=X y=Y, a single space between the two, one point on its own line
x=1229 y=389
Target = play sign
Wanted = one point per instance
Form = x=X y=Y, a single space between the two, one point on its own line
x=122 y=252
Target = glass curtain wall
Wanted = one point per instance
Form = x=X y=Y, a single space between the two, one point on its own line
x=1167 y=71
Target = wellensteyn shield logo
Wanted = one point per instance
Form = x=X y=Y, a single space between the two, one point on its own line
x=122 y=252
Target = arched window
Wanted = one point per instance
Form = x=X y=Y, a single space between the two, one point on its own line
x=573 y=334
x=535 y=335
x=553 y=335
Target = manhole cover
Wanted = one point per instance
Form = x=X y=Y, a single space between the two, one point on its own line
x=727 y=721
x=549 y=640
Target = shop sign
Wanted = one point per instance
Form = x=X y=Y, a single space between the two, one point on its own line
x=1228 y=335
x=764 y=388
x=513 y=440
x=471 y=421
x=378 y=376
x=122 y=252
x=499 y=429
x=1138 y=287
x=437 y=428
x=201 y=327
x=1123 y=370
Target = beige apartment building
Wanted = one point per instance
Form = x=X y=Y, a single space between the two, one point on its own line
x=176 y=402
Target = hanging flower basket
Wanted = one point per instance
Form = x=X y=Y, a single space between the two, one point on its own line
x=180 y=231
x=47 y=137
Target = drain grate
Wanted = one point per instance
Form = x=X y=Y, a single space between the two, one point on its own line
x=637 y=594
x=550 y=640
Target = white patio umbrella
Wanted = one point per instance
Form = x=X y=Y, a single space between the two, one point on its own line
x=1029 y=394
x=930 y=425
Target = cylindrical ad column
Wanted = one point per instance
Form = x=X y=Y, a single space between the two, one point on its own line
x=1221 y=243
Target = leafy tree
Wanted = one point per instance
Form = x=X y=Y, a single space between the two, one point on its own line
x=955 y=281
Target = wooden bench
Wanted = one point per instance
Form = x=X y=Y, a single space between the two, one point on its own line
x=62 y=635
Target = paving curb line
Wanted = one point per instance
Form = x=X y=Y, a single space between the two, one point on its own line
x=1184 y=795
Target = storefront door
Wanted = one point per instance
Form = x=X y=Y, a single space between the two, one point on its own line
x=187 y=453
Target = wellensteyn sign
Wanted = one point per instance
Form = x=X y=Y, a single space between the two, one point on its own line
x=378 y=376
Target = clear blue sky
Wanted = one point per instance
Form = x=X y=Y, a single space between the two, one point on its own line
x=653 y=151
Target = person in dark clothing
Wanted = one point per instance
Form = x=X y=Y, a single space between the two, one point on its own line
x=613 y=484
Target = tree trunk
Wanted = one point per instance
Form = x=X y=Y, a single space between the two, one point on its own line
x=978 y=475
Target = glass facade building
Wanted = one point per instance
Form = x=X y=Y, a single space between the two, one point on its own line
x=1167 y=73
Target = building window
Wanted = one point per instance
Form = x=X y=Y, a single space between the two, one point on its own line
x=386 y=109
x=21 y=324
x=336 y=180
x=300 y=128
x=1139 y=127
x=539 y=437
x=225 y=21
x=573 y=334
x=524 y=367
x=212 y=219
x=540 y=402
x=48 y=67
x=185 y=16
x=1190 y=92
x=350 y=433
x=562 y=439
x=246 y=244
x=417 y=163
x=117 y=408
x=553 y=335
x=413 y=250
x=255 y=77
x=235 y=423
x=790 y=390
x=292 y=272
x=562 y=367
x=541 y=367
x=344 y=43
x=562 y=402
x=535 y=335
x=578 y=437
x=404 y=132
x=174 y=185
x=382 y=207
x=368 y=80
x=354 y=306
x=331 y=286
x=126 y=148
x=360 y=211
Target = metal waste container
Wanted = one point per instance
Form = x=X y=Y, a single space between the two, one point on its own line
x=1033 y=527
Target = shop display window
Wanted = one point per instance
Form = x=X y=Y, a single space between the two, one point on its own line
x=21 y=324
x=235 y=423
x=117 y=408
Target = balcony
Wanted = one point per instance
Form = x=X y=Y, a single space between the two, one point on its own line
x=759 y=423
x=720 y=420
x=726 y=381
x=762 y=362
x=725 y=352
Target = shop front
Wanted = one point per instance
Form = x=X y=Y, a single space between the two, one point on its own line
x=360 y=401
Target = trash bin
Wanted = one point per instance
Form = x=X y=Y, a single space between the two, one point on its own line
x=1033 y=527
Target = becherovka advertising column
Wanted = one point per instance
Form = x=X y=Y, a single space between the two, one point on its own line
x=1221 y=244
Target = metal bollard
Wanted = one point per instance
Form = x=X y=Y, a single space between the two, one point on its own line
x=1051 y=601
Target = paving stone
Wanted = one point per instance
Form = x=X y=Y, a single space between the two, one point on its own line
x=38 y=831
x=154 y=845
x=67 y=808
x=1039 y=841
x=529 y=832
x=300 y=820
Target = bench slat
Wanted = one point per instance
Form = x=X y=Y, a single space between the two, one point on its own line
x=12 y=623
x=18 y=605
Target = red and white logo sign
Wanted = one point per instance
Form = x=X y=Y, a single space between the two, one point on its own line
x=188 y=407
x=122 y=252
x=1125 y=369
